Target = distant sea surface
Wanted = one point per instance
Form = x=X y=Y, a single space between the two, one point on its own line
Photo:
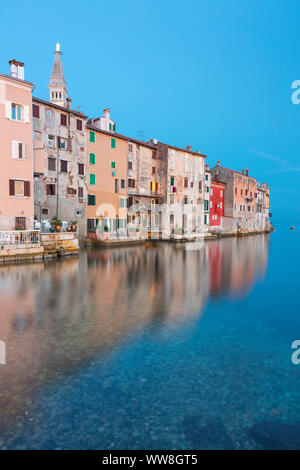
x=154 y=347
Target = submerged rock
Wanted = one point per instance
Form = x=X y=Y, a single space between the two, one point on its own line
x=274 y=435
x=213 y=435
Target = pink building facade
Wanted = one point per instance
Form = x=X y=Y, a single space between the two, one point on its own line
x=16 y=176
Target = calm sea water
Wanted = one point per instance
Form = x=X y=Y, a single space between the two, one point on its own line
x=154 y=347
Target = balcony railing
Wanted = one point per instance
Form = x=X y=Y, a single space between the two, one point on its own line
x=18 y=239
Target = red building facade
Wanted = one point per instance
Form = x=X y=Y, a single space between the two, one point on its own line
x=216 y=210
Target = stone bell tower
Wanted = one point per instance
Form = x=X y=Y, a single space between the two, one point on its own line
x=57 y=84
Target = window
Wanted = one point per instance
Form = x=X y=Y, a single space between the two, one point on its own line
x=21 y=223
x=92 y=137
x=221 y=193
x=92 y=224
x=80 y=192
x=130 y=148
x=113 y=143
x=207 y=189
x=186 y=183
x=45 y=211
x=19 y=188
x=206 y=177
x=114 y=127
x=116 y=185
x=63 y=119
x=113 y=164
x=51 y=164
x=92 y=178
x=92 y=159
x=153 y=170
x=206 y=205
x=71 y=191
x=172 y=180
x=131 y=183
x=18 y=149
x=241 y=192
x=91 y=199
x=16 y=112
x=235 y=191
x=81 y=169
x=79 y=124
x=221 y=205
x=122 y=184
x=185 y=200
x=36 y=111
x=200 y=185
x=61 y=143
x=63 y=166
x=123 y=202
x=129 y=165
x=211 y=191
x=51 y=189
x=51 y=141
x=153 y=154
x=205 y=219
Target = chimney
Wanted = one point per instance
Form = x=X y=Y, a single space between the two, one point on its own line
x=188 y=147
x=69 y=103
x=247 y=171
x=16 y=69
x=207 y=167
x=243 y=171
x=219 y=162
x=106 y=114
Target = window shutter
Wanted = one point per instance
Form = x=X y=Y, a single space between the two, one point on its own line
x=27 y=188
x=11 y=187
x=47 y=190
x=26 y=114
x=8 y=109
x=14 y=149
x=23 y=150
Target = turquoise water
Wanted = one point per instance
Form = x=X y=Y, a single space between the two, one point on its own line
x=154 y=347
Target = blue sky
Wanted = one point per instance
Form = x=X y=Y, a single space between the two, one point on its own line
x=213 y=74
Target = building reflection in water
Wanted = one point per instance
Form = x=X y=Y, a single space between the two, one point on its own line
x=56 y=316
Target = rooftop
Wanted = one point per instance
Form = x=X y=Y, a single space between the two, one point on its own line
x=62 y=108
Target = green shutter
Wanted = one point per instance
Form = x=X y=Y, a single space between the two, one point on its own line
x=91 y=224
x=114 y=127
x=113 y=143
x=92 y=178
x=206 y=177
x=92 y=136
x=91 y=200
x=172 y=180
x=113 y=164
x=205 y=219
x=92 y=158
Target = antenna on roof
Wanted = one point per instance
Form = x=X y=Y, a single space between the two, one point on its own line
x=141 y=134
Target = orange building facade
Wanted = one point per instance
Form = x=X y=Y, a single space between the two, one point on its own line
x=107 y=182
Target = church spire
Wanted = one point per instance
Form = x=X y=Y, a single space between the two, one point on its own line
x=57 y=84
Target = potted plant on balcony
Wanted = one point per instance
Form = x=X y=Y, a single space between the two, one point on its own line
x=56 y=224
x=73 y=225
